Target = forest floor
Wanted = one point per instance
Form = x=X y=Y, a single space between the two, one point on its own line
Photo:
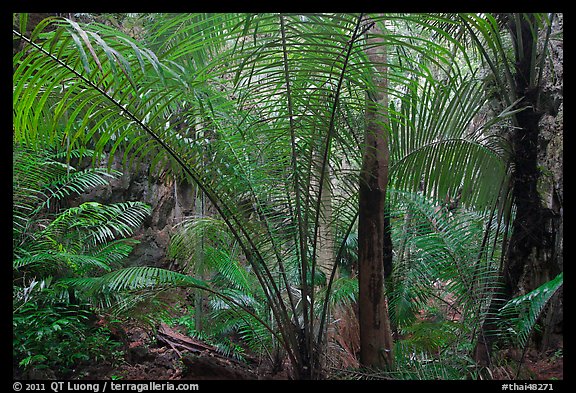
x=148 y=358
x=536 y=365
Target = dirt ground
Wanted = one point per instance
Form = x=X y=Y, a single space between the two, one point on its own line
x=149 y=359
x=535 y=365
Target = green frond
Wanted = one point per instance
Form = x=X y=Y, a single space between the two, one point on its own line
x=451 y=157
x=97 y=223
x=77 y=182
x=117 y=286
x=344 y=291
x=441 y=258
x=53 y=260
x=228 y=320
x=229 y=270
x=40 y=180
x=265 y=114
x=518 y=317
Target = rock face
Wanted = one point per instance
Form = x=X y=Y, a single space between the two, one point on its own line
x=550 y=154
x=170 y=202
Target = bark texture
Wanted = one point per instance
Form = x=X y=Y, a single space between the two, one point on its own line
x=533 y=257
x=375 y=334
x=534 y=254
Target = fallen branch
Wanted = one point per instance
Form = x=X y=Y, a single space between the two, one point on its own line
x=174 y=339
x=180 y=342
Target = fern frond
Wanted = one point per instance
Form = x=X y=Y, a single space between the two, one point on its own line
x=438 y=258
x=132 y=279
x=97 y=223
x=518 y=317
x=53 y=260
x=344 y=291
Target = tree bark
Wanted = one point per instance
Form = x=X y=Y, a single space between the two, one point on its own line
x=325 y=259
x=527 y=237
x=529 y=260
x=375 y=334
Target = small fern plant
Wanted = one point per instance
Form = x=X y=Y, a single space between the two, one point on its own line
x=518 y=318
x=67 y=261
x=51 y=243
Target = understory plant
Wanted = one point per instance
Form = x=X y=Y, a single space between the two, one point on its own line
x=445 y=275
x=54 y=322
x=266 y=114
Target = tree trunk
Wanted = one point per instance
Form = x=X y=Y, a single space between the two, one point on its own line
x=527 y=237
x=529 y=262
x=199 y=256
x=388 y=246
x=532 y=258
x=326 y=257
x=375 y=334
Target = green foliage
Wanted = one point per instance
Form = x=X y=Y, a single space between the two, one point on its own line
x=264 y=113
x=203 y=246
x=449 y=257
x=413 y=363
x=59 y=253
x=128 y=286
x=445 y=271
x=231 y=330
x=59 y=336
x=518 y=317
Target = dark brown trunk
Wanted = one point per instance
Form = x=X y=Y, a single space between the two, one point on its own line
x=388 y=246
x=532 y=257
x=531 y=249
x=527 y=264
x=375 y=334
x=527 y=237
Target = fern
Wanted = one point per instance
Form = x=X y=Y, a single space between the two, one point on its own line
x=229 y=321
x=273 y=102
x=40 y=181
x=517 y=318
x=100 y=222
x=83 y=238
x=445 y=272
x=344 y=291
x=133 y=279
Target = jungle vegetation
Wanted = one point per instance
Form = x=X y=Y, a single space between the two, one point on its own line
x=372 y=170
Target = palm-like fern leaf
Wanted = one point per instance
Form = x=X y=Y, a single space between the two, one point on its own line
x=40 y=180
x=101 y=222
x=453 y=156
x=132 y=279
x=518 y=317
x=436 y=247
x=257 y=110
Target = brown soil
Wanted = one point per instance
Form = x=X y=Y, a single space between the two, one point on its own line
x=532 y=365
x=149 y=359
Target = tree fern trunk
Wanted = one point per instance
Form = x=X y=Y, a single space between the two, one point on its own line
x=375 y=334
x=528 y=261
x=526 y=242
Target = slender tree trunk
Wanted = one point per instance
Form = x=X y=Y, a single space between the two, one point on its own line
x=325 y=259
x=375 y=334
x=199 y=256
